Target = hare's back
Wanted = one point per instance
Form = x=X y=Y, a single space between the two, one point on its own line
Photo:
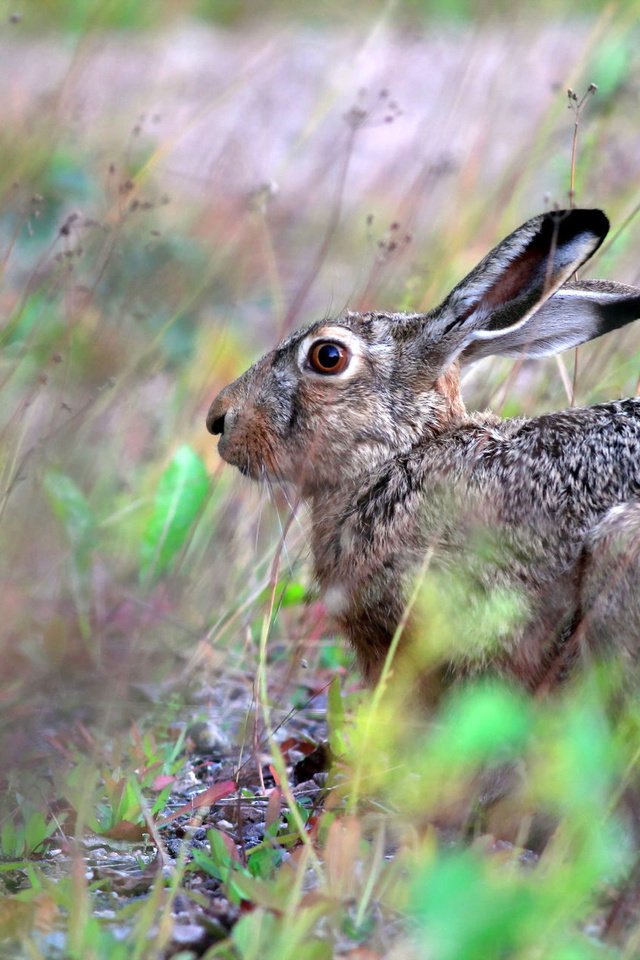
x=573 y=465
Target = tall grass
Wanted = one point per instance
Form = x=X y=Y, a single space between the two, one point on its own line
x=170 y=205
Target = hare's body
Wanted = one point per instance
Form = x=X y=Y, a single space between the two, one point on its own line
x=364 y=416
x=504 y=504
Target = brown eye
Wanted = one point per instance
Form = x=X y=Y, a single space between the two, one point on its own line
x=328 y=357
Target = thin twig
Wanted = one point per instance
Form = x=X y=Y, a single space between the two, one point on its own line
x=577 y=106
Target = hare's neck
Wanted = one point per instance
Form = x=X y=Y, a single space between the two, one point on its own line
x=328 y=510
x=451 y=408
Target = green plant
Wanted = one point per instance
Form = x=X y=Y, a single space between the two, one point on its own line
x=26 y=832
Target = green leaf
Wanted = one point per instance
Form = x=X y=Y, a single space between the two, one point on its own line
x=263 y=863
x=72 y=508
x=37 y=831
x=490 y=911
x=126 y=801
x=611 y=64
x=11 y=840
x=484 y=721
x=253 y=932
x=287 y=594
x=181 y=493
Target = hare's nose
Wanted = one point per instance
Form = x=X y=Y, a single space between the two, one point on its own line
x=216 y=415
x=215 y=425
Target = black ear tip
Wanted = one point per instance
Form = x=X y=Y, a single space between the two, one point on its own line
x=596 y=220
x=563 y=226
x=585 y=221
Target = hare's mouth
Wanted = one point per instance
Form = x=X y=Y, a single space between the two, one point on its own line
x=241 y=463
x=248 y=466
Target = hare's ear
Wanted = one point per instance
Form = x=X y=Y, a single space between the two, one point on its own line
x=495 y=303
x=576 y=313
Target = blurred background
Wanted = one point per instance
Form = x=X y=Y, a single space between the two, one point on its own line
x=182 y=183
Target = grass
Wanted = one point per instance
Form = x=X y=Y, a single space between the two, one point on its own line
x=85 y=15
x=167 y=676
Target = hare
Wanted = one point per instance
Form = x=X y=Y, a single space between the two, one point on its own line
x=363 y=416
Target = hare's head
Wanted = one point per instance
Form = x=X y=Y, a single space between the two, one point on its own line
x=339 y=397
x=331 y=401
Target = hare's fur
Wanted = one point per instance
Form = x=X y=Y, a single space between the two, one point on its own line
x=395 y=470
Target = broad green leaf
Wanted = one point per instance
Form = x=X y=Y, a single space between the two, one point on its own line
x=466 y=911
x=264 y=862
x=72 y=508
x=484 y=721
x=181 y=493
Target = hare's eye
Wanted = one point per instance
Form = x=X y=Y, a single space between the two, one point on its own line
x=328 y=357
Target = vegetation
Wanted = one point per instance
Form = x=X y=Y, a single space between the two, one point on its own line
x=168 y=682
x=135 y=14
